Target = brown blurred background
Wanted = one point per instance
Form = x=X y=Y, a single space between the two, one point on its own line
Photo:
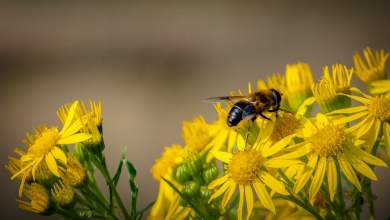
x=151 y=64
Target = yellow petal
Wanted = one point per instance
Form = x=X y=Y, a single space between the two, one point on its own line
x=264 y=197
x=228 y=195
x=353 y=117
x=318 y=177
x=368 y=158
x=52 y=164
x=223 y=156
x=373 y=134
x=241 y=202
x=69 y=119
x=76 y=138
x=332 y=178
x=72 y=129
x=249 y=200
x=231 y=141
x=359 y=99
x=363 y=168
x=280 y=163
x=218 y=182
x=302 y=149
x=350 y=110
x=220 y=191
x=273 y=183
x=59 y=154
x=349 y=173
x=220 y=139
x=269 y=151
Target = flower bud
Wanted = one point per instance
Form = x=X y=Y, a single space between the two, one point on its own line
x=182 y=175
x=62 y=194
x=210 y=173
x=75 y=174
x=191 y=188
x=205 y=193
x=38 y=197
x=194 y=165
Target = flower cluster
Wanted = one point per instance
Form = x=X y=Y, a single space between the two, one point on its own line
x=55 y=168
x=294 y=162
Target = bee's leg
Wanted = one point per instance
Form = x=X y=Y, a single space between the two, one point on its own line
x=263 y=116
x=277 y=108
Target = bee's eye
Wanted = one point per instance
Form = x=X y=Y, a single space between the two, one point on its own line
x=263 y=99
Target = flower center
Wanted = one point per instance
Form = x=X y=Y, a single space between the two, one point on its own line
x=245 y=165
x=329 y=141
x=44 y=142
x=380 y=108
x=285 y=125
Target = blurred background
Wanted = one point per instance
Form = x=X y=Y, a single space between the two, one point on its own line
x=151 y=64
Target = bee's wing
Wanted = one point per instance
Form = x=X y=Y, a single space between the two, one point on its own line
x=224 y=98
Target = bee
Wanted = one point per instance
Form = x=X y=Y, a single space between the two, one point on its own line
x=250 y=106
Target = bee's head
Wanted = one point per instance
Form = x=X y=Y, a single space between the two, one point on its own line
x=277 y=96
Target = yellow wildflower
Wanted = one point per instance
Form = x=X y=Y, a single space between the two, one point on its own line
x=196 y=134
x=374 y=66
x=44 y=146
x=91 y=118
x=327 y=90
x=38 y=198
x=327 y=146
x=299 y=80
x=374 y=115
x=247 y=169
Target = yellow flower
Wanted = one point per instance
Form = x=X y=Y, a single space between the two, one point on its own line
x=222 y=134
x=327 y=146
x=374 y=66
x=38 y=198
x=90 y=118
x=374 y=115
x=62 y=194
x=327 y=90
x=247 y=169
x=299 y=80
x=74 y=174
x=286 y=123
x=43 y=146
x=196 y=134
x=166 y=205
x=379 y=87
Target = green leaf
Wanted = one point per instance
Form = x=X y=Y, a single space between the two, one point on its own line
x=118 y=172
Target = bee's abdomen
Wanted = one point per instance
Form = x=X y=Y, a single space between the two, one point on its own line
x=234 y=117
x=239 y=111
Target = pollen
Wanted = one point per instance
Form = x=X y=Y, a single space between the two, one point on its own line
x=380 y=108
x=285 y=125
x=44 y=141
x=245 y=166
x=329 y=141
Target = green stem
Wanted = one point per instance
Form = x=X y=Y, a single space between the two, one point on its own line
x=340 y=196
x=102 y=166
